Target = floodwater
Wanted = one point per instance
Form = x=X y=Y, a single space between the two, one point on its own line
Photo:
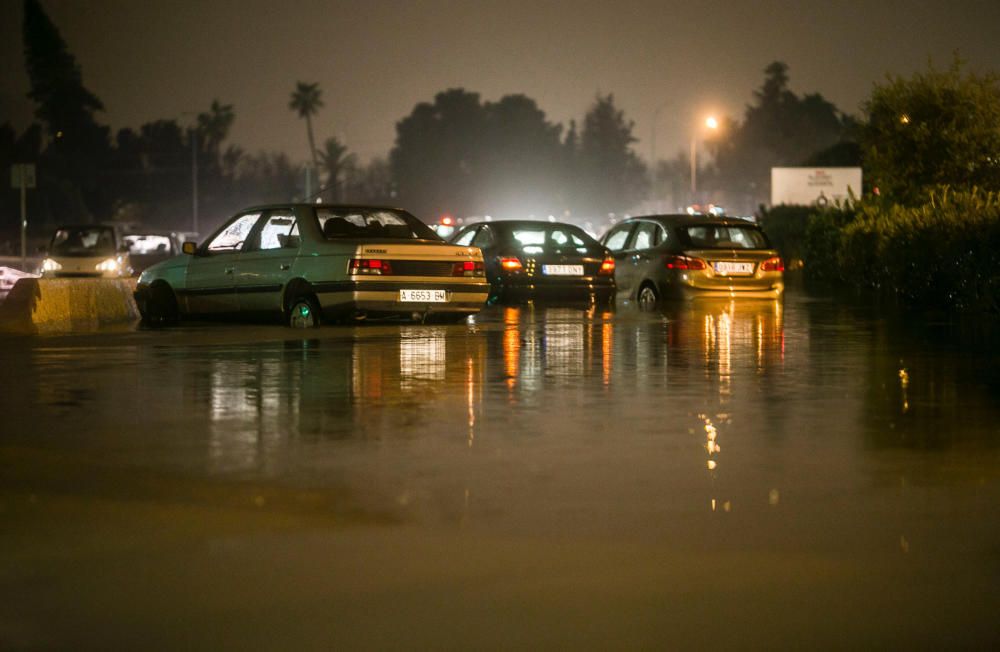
x=799 y=474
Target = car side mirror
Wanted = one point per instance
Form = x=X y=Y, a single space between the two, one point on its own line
x=189 y=248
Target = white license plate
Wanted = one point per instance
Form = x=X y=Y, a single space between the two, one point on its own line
x=562 y=270
x=733 y=268
x=423 y=296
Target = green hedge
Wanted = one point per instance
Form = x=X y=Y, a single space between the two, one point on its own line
x=944 y=253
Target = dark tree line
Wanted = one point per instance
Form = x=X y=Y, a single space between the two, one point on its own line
x=462 y=156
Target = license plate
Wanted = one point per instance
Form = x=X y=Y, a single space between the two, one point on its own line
x=562 y=270
x=423 y=296
x=727 y=268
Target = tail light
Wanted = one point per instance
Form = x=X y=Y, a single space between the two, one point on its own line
x=510 y=264
x=468 y=268
x=607 y=267
x=685 y=262
x=370 y=266
x=773 y=265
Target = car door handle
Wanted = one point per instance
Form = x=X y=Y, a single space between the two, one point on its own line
x=284 y=267
x=230 y=270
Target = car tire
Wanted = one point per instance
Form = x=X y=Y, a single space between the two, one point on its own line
x=160 y=306
x=647 y=298
x=303 y=312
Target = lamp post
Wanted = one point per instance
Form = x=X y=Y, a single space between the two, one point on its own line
x=710 y=123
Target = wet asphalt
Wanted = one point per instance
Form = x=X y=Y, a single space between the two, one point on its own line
x=808 y=473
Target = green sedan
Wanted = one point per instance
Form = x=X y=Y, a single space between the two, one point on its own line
x=306 y=263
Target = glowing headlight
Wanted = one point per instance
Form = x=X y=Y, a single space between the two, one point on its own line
x=109 y=265
x=49 y=265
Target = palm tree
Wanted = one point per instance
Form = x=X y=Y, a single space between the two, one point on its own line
x=336 y=162
x=215 y=124
x=306 y=101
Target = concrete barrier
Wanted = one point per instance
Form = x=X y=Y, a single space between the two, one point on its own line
x=43 y=306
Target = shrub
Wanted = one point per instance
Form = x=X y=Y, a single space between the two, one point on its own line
x=942 y=253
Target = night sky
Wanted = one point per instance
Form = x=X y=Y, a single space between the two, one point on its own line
x=374 y=60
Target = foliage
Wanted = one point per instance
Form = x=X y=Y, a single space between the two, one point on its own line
x=612 y=174
x=306 y=101
x=779 y=128
x=337 y=163
x=462 y=156
x=938 y=253
x=934 y=128
x=786 y=229
x=79 y=147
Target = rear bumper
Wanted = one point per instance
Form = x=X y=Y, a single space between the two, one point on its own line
x=382 y=297
x=586 y=289
x=687 y=286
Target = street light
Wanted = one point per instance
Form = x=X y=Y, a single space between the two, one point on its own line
x=710 y=123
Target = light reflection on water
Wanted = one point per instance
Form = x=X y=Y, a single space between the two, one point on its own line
x=805 y=444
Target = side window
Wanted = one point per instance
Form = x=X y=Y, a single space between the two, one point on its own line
x=232 y=237
x=646 y=236
x=279 y=232
x=615 y=241
x=465 y=239
x=484 y=238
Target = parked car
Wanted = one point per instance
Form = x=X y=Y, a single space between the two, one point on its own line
x=684 y=256
x=527 y=259
x=86 y=251
x=311 y=262
x=146 y=248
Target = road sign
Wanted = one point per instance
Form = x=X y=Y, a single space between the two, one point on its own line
x=22 y=174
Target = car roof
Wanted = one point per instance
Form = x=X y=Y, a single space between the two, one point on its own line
x=514 y=224
x=682 y=219
x=348 y=207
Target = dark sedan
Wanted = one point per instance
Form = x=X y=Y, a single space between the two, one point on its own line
x=690 y=256
x=528 y=259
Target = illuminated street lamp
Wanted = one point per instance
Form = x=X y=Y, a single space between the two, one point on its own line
x=710 y=123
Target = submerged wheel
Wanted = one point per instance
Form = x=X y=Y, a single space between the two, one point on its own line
x=303 y=312
x=160 y=306
x=647 y=297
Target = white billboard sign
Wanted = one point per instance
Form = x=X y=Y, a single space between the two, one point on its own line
x=808 y=186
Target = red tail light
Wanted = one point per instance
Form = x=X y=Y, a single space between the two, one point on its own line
x=510 y=264
x=773 y=265
x=468 y=268
x=685 y=262
x=370 y=266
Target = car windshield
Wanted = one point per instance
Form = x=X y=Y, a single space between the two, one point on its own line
x=84 y=241
x=557 y=237
x=372 y=224
x=144 y=245
x=724 y=236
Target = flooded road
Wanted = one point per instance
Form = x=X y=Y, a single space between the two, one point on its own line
x=804 y=474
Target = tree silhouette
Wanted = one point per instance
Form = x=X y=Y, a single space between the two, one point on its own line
x=214 y=125
x=79 y=147
x=306 y=102
x=612 y=174
x=335 y=160
x=780 y=128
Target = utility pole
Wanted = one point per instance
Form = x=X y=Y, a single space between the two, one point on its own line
x=22 y=176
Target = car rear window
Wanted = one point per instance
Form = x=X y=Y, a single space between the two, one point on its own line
x=723 y=236
x=375 y=224
x=539 y=239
